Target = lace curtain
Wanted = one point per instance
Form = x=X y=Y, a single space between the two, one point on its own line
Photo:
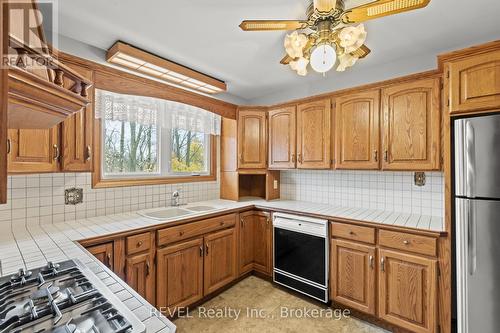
x=154 y=111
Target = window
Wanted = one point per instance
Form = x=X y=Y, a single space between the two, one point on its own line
x=146 y=138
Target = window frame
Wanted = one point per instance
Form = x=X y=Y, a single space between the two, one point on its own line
x=98 y=181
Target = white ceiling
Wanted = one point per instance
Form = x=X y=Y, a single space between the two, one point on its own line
x=204 y=35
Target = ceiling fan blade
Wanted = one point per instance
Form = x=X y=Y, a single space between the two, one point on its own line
x=267 y=25
x=362 y=52
x=324 y=5
x=381 y=8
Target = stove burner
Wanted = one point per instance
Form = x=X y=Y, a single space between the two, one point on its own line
x=43 y=294
x=21 y=275
x=51 y=268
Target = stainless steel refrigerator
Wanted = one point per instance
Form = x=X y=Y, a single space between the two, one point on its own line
x=477 y=223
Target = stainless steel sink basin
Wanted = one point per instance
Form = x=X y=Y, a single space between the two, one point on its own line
x=200 y=208
x=165 y=213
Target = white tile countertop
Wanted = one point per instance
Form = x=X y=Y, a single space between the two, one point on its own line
x=32 y=246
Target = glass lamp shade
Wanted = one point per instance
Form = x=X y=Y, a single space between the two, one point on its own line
x=294 y=44
x=323 y=57
x=300 y=66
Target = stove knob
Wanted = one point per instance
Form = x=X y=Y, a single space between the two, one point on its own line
x=21 y=272
x=51 y=265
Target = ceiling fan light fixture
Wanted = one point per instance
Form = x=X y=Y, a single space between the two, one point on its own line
x=323 y=58
x=294 y=44
x=300 y=66
x=352 y=38
x=346 y=60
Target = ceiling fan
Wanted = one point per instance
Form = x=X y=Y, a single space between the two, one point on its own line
x=329 y=33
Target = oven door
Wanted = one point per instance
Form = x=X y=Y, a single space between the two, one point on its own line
x=301 y=255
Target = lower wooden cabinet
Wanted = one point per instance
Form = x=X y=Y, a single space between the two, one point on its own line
x=103 y=253
x=139 y=274
x=255 y=243
x=220 y=259
x=408 y=291
x=353 y=275
x=179 y=274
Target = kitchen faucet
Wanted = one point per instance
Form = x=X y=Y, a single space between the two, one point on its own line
x=175 y=198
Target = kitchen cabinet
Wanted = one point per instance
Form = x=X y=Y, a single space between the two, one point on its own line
x=255 y=245
x=474 y=82
x=252 y=139
x=357 y=132
x=407 y=291
x=282 y=140
x=180 y=274
x=220 y=259
x=4 y=88
x=411 y=126
x=103 y=253
x=77 y=130
x=353 y=277
x=313 y=134
x=139 y=274
x=33 y=150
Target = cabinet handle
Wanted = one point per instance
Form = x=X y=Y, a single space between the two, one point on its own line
x=57 y=154
x=8 y=146
x=148 y=268
x=201 y=251
x=242 y=223
x=206 y=249
x=108 y=257
x=382 y=264
x=405 y=242
x=386 y=155
x=293 y=158
x=300 y=158
x=268 y=220
x=372 y=262
x=89 y=153
x=222 y=223
x=375 y=155
x=139 y=243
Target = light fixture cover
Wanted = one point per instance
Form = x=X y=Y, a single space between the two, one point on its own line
x=346 y=60
x=294 y=44
x=323 y=58
x=352 y=38
x=300 y=66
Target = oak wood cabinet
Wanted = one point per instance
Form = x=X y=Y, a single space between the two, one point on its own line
x=282 y=140
x=353 y=275
x=103 y=253
x=252 y=139
x=357 y=132
x=407 y=291
x=4 y=45
x=220 y=259
x=33 y=150
x=474 y=83
x=411 y=126
x=313 y=134
x=139 y=274
x=180 y=274
x=255 y=243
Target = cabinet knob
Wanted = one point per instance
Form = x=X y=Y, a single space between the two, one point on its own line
x=222 y=223
x=139 y=243
x=352 y=233
x=181 y=233
x=405 y=242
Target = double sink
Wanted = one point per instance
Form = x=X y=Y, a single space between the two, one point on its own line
x=173 y=212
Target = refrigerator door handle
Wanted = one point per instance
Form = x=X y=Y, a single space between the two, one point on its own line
x=471 y=236
x=470 y=160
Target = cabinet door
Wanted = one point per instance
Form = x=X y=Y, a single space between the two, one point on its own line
x=139 y=274
x=262 y=243
x=474 y=83
x=4 y=46
x=407 y=291
x=411 y=126
x=180 y=274
x=252 y=139
x=282 y=143
x=357 y=134
x=313 y=135
x=103 y=253
x=246 y=243
x=220 y=259
x=33 y=150
x=353 y=275
x=77 y=131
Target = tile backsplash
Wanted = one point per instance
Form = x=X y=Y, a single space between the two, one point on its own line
x=390 y=191
x=39 y=198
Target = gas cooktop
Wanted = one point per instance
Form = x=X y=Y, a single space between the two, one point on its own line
x=62 y=298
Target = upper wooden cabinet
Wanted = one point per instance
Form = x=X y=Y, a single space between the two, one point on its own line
x=474 y=83
x=411 y=126
x=282 y=141
x=252 y=139
x=357 y=132
x=408 y=291
x=33 y=150
x=313 y=135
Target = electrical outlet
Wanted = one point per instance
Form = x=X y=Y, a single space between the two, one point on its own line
x=73 y=196
x=420 y=178
x=275 y=184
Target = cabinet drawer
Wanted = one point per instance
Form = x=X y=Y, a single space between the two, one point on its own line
x=408 y=242
x=138 y=243
x=353 y=232
x=188 y=230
